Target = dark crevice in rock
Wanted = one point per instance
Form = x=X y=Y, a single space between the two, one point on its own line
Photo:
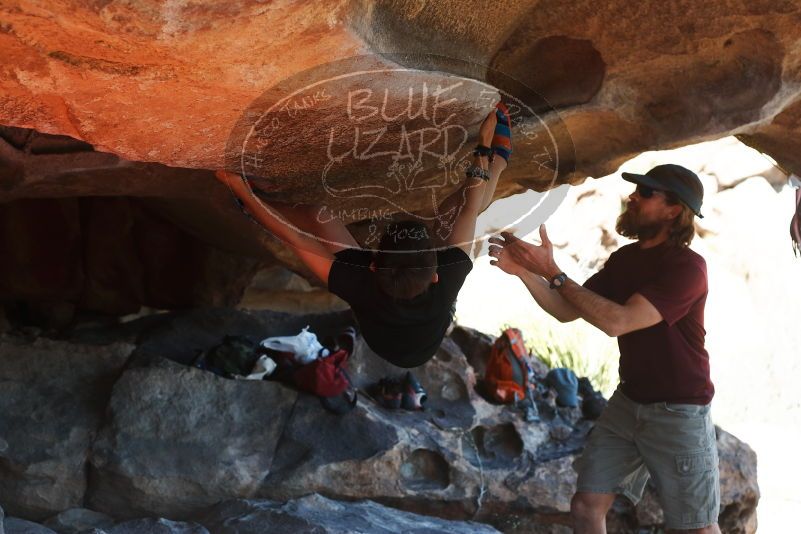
x=28 y=141
x=105 y=421
x=36 y=164
x=494 y=446
x=475 y=345
x=454 y=509
x=107 y=255
x=555 y=449
x=425 y=470
x=564 y=71
x=18 y=138
x=283 y=442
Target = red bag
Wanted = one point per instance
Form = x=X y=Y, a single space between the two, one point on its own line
x=506 y=377
x=324 y=377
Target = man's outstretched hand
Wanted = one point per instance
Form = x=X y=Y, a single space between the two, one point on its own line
x=513 y=255
x=502 y=257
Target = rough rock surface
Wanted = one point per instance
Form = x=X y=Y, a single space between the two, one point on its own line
x=189 y=467
x=143 y=99
x=76 y=520
x=176 y=440
x=164 y=82
x=155 y=526
x=52 y=400
x=315 y=514
x=81 y=249
x=14 y=525
x=312 y=514
x=738 y=485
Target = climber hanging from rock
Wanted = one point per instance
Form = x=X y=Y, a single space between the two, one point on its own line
x=402 y=294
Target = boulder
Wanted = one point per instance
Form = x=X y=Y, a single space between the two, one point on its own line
x=222 y=434
x=315 y=514
x=475 y=345
x=179 y=439
x=53 y=396
x=77 y=520
x=739 y=491
x=155 y=526
x=14 y=525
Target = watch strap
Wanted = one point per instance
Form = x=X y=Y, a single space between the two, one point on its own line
x=558 y=280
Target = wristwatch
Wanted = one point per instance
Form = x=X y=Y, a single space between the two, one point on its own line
x=558 y=280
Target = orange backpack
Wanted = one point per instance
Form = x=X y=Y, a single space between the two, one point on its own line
x=506 y=377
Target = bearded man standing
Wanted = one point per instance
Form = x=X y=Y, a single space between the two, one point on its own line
x=650 y=294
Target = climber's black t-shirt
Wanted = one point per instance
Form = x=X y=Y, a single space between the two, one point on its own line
x=407 y=333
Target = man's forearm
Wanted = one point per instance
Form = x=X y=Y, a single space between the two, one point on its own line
x=538 y=264
x=548 y=299
x=600 y=312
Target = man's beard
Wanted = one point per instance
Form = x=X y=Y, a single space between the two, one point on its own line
x=628 y=226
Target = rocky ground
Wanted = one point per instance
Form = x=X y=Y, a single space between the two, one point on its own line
x=112 y=420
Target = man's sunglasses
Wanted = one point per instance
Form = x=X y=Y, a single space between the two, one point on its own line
x=647 y=192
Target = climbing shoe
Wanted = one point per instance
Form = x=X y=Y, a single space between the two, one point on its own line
x=414 y=396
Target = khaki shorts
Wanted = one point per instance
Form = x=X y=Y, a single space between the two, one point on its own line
x=673 y=443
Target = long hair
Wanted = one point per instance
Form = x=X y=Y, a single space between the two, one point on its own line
x=682 y=231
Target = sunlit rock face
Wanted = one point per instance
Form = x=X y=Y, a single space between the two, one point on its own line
x=370 y=108
x=166 y=82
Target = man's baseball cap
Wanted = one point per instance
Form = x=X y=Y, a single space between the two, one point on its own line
x=675 y=178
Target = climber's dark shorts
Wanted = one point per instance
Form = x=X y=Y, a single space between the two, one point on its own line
x=673 y=443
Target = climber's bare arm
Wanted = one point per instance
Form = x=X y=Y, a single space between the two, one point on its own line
x=317 y=258
x=475 y=194
x=474 y=191
x=320 y=223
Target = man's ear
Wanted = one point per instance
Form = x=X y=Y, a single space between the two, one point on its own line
x=674 y=211
x=435 y=278
x=372 y=266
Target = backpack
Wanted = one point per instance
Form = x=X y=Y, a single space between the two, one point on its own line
x=235 y=355
x=506 y=378
x=324 y=377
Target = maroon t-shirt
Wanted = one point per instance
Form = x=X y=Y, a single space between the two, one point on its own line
x=666 y=362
